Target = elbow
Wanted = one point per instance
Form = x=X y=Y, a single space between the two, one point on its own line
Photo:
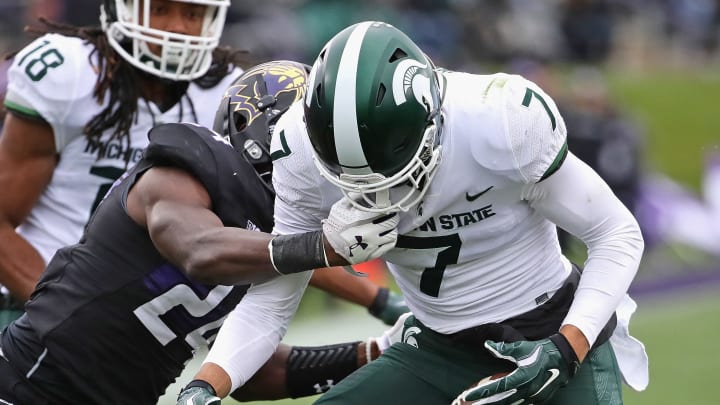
x=620 y=242
x=625 y=244
x=634 y=237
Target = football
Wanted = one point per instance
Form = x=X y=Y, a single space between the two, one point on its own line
x=495 y=376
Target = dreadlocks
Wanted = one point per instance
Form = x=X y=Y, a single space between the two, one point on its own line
x=121 y=79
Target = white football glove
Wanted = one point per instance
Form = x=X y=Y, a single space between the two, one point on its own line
x=357 y=235
x=392 y=335
x=388 y=338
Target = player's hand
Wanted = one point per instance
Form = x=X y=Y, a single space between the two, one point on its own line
x=388 y=306
x=359 y=236
x=543 y=367
x=198 y=392
x=392 y=335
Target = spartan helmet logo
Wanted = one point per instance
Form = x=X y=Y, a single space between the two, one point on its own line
x=409 y=75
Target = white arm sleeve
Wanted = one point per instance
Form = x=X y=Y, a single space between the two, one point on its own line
x=253 y=330
x=579 y=201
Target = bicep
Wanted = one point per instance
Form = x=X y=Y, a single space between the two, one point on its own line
x=27 y=163
x=174 y=207
x=576 y=199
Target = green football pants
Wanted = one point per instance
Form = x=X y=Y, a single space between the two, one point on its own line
x=427 y=368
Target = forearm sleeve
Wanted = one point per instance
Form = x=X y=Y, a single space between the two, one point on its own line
x=579 y=201
x=253 y=330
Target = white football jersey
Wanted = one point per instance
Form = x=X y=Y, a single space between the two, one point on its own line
x=54 y=79
x=472 y=251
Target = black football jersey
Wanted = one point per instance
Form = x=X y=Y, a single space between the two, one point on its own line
x=111 y=321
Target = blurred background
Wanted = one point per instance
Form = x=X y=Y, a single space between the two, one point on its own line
x=637 y=82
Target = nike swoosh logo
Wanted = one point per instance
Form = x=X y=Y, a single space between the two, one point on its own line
x=554 y=373
x=475 y=197
x=531 y=359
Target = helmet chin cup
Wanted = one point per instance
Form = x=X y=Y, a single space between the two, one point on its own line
x=374 y=201
x=375 y=193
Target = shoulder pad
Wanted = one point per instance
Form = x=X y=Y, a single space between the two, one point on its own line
x=190 y=147
x=238 y=197
x=49 y=76
x=193 y=148
x=529 y=133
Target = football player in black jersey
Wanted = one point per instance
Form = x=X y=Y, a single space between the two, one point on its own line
x=179 y=245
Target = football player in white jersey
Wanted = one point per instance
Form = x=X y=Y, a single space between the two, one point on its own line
x=478 y=170
x=80 y=104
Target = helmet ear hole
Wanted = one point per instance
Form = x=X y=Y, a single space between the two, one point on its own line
x=240 y=122
x=380 y=95
x=320 y=94
x=397 y=55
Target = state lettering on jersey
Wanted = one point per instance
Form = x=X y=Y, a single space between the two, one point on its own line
x=459 y=220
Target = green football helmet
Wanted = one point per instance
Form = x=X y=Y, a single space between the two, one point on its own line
x=372 y=111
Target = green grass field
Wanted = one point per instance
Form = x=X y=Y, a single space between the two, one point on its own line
x=680 y=117
x=679 y=335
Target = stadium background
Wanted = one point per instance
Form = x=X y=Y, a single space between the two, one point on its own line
x=654 y=62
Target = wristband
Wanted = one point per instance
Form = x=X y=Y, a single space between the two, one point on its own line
x=379 y=302
x=368 y=350
x=567 y=352
x=201 y=384
x=298 y=252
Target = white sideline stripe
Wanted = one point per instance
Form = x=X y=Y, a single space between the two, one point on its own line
x=347 y=138
x=36 y=365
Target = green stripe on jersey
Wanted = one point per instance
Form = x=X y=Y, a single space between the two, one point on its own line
x=21 y=110
x=559 y=159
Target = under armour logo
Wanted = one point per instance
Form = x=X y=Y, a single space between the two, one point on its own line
x=319 y=389
x=359 y=243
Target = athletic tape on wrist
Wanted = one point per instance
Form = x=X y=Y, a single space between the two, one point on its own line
x=297 y=252
x=368 y=350
x=272 y=256
x=379 y=302
x=567 y=352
